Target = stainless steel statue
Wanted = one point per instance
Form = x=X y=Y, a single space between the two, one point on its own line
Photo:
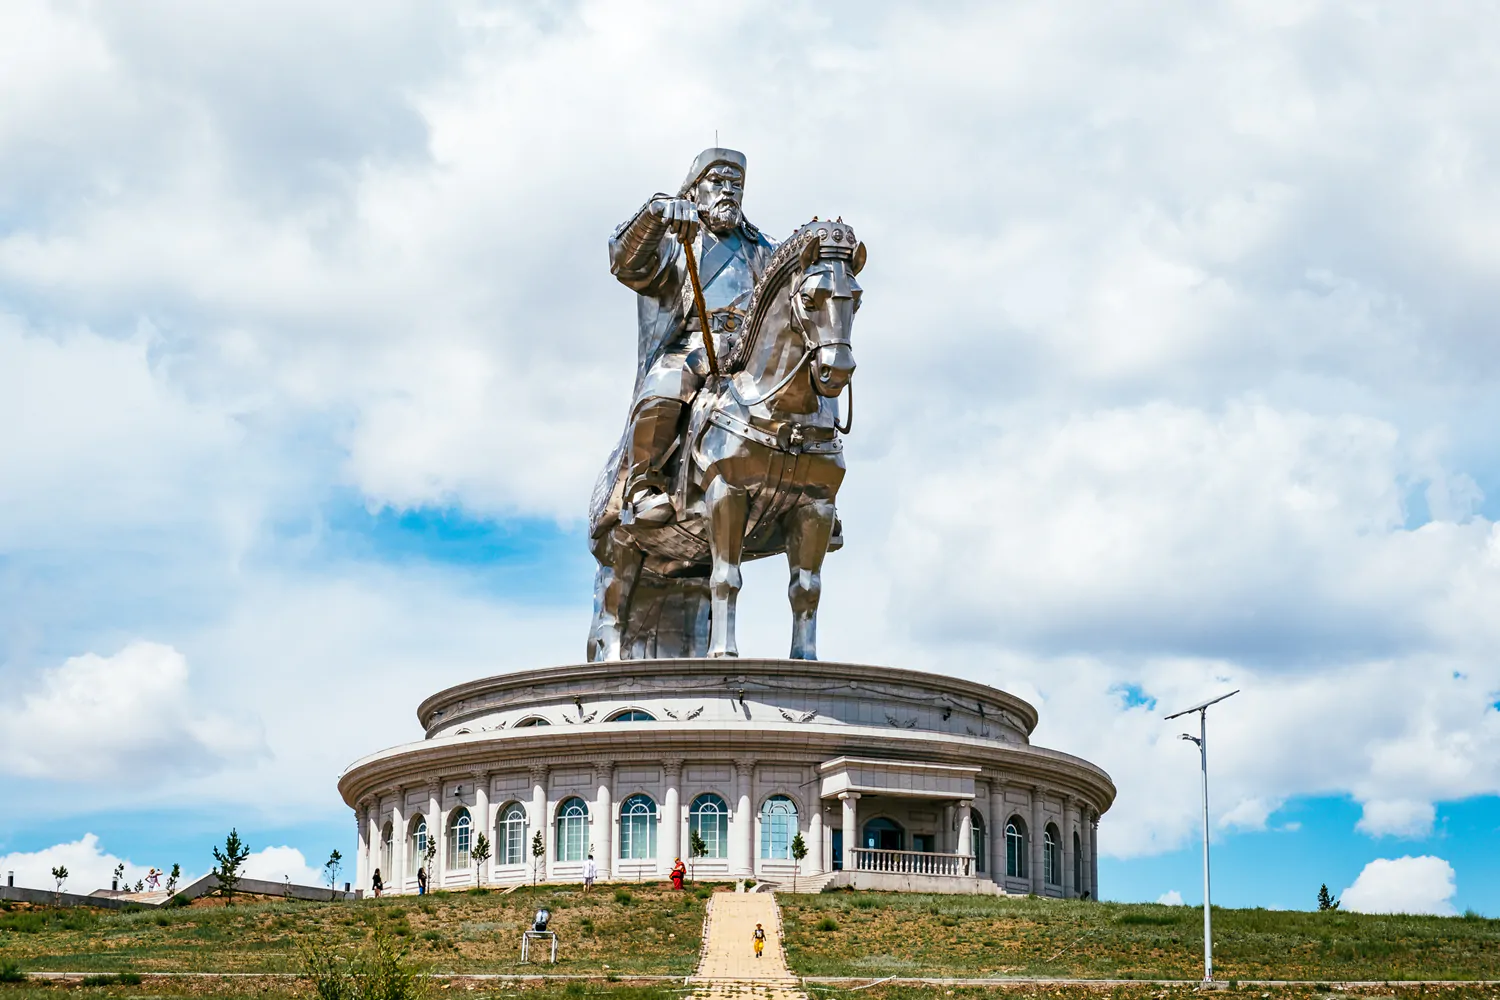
x=733 y=449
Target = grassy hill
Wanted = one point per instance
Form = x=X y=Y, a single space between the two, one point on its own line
x=648 y=930
x=884 y=934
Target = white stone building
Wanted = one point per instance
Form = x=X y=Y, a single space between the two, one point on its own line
x=894 y=779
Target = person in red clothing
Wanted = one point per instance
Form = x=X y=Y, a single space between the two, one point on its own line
x=679 y=872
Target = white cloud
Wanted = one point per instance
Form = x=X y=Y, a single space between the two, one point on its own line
x=1170 y=898
x=1401 y=818
x=278 y=864
x=127 y=716
x=89 y=866
x=1403 y=885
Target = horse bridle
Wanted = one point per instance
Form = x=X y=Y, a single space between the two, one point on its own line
x=811 y=347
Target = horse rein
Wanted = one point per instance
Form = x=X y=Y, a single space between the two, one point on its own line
x=812 y=347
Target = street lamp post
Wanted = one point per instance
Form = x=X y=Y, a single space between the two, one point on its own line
x=1202 y=740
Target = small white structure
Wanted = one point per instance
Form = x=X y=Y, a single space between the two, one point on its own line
x=895 y=779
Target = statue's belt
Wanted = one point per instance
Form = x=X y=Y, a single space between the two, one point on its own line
x=794 y=439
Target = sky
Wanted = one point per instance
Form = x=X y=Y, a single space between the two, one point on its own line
x=1177 y=375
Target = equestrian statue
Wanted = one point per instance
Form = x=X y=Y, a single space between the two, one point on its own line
x=734 y=446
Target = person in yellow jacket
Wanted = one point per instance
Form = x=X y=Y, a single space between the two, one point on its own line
x=759 y=937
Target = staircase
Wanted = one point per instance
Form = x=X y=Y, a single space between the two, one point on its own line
x=813 y=883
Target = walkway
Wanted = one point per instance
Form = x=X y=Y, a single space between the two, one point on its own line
x=729 y=967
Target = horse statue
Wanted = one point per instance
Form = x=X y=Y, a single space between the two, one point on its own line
x=756 y=471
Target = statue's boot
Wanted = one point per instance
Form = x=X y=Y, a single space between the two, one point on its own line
x=653 y=432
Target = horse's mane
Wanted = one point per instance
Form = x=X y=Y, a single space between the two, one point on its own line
x=781 y=265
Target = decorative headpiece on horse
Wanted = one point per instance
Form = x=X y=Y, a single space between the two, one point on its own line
x=834 y=240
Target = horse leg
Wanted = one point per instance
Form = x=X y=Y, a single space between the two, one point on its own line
x=726 y=539
x=808 y=528
x=613 y=585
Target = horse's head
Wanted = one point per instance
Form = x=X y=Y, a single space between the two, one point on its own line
x=824 y=299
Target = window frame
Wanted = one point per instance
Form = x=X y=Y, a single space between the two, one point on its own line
x=460 y=839
x=572 y=822
x=718 y=843
x=513 y=823
x=777 y=822
x=638 y=821
x=1015 y=848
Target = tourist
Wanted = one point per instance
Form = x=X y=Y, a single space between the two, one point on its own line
x=590 y=872
x=376 y=884
x=153 y=879
x=679 y=872
x=760 y=939
x=421 y=881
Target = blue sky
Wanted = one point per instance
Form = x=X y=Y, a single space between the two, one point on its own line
x=1177 y=374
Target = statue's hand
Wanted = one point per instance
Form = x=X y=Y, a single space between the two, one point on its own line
x=680 y=215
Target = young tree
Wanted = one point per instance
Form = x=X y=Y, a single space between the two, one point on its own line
x=428 y=858
x=799 y=851
x=172 y=879
x=538 y=855
x=60 y=875
x=480 y=854
x=228 y=872
x=140 y=885
x=697 y=848
x=119 y=876
x=1325 y=898
x=331 y=872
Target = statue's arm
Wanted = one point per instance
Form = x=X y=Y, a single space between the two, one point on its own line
x=640 y=250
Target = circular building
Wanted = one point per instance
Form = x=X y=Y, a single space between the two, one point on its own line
x=892 y=779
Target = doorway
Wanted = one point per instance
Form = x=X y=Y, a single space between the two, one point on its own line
x=884 y=835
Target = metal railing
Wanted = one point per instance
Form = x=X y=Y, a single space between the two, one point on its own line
x=913 y=863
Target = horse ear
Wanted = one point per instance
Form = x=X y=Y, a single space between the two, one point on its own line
x=810 y=253
x=860 y=253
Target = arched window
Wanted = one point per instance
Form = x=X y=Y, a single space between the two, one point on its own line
x=979 y=843
x=387 y=846
x=513 y=834
x=778 y=825
x=460 y=839
x=709 y=818
x=572 y=830
x=1015 y=847
x=1051 y=856
x=631 y=715
x=417 y=844
x=1077 y=864
x=535 y=720
x=882 y=834
x=637 y=828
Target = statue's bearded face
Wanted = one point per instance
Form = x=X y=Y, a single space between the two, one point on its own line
x=718 y=196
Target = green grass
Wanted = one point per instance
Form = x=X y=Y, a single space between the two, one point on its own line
x=657 y=932
x=885 y=934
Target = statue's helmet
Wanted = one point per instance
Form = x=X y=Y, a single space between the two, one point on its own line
x=707 y=159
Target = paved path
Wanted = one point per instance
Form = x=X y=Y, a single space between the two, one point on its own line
x=729 y=967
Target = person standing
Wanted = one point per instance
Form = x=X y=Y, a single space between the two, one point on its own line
x=759 y=937
x=376 y=884
x=679 y=872
x=421 y=881
x=590 y=872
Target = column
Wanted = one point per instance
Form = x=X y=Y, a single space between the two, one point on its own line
x=1069 y=890
x=965 y=830
x=1038 y=872
x=434 y=819
x=396 y=878
x=361 y=843
x=1085 y=835
x=604 y=817
x=742 y=833
x=998 y=818
x=372 y=823
x=944 y=843
x=669 y=821
x=814 y=837
x=482 y=820
x=850 y=825
x=536 y=819
x=1094 y=854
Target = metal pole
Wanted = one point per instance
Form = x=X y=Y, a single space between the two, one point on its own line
x=1208 y=920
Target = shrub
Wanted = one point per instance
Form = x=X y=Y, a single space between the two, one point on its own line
x=380 y=971
x=10 y=972
x=623 y=896
x=113 y=979
x=828 y=924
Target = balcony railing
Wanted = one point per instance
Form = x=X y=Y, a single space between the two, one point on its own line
x=913 y=863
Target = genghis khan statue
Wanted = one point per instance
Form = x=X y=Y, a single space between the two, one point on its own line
x=646 y=255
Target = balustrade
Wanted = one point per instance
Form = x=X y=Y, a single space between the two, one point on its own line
x=913 y=863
